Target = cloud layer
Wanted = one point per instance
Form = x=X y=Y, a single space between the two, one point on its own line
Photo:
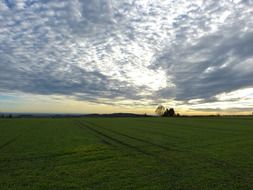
x=127 y=51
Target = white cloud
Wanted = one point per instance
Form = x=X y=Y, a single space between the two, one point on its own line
x=148 y=50
x=246 y=93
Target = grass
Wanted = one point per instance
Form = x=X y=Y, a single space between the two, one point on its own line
x=126 y=153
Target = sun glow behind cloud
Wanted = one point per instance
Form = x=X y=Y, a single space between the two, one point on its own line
x=193 y=55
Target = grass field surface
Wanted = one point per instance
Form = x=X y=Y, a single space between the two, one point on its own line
x=127 y=153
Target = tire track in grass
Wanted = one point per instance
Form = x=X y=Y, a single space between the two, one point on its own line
x=190 y=126
x=39 y=157
x=9 y=142
x=214 y=162
x=113 y=139
x=40 y=161
x=160 y=133
x=134 y=138
x=95 y=134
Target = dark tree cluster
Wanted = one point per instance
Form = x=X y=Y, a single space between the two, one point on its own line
x=6 y=116
x=165 y=112
x=169 y=113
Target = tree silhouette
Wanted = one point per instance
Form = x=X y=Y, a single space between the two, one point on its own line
x=169 y=113
x=165 y=112
x=172 y=112
x=160 y=110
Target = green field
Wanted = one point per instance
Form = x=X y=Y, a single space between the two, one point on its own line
x=126 y=153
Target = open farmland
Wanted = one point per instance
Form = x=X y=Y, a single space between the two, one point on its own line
x=127 y=153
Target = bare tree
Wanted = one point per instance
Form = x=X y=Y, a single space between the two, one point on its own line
x=160 y=110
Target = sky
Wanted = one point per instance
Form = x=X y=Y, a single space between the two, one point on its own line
x=103 y=56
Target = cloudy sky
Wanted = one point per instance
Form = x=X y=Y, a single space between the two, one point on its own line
x=128 y=55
